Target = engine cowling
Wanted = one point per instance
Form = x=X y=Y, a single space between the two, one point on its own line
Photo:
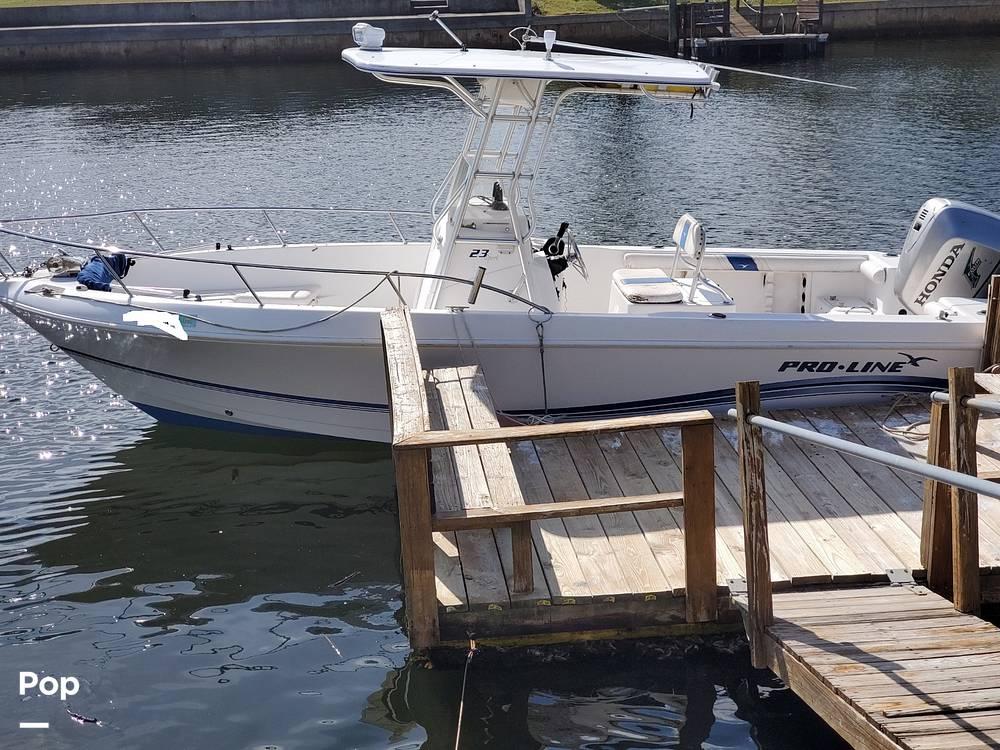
x=951 y=250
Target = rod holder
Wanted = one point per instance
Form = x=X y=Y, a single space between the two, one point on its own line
x=477 y=284
x=436 y=17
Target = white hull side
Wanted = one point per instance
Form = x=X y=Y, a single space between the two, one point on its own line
x=596 y=365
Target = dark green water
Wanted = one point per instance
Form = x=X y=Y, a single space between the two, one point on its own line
x=220 y=591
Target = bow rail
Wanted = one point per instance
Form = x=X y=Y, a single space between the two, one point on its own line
x=239 y=266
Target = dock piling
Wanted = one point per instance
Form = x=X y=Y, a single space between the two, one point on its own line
x=753 y=499
x=935 y=537
x=698 y=458
x=964 y=503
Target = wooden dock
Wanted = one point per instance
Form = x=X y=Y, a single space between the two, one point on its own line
x=890 y=667
x=609 y=515
x=716 y=32
x=893 y=666
x=687 y=523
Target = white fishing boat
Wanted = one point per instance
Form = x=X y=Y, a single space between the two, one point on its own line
x=286 y=336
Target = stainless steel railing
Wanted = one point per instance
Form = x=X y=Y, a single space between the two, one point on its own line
x=239 y=266
x=911 y=465
x=137 y=213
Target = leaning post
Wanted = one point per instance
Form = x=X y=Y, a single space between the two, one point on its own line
x=964 y=503
x=753 y=498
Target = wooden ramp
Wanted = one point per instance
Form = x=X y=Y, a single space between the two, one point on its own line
x=890 y=666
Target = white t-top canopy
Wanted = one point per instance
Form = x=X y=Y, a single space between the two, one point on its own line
x=497 y=63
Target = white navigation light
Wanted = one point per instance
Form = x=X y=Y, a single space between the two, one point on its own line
x=367 y=36
x=550 y=41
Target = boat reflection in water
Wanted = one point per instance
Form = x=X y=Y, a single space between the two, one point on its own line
x=593 y=703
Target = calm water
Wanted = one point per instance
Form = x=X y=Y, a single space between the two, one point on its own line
x=220 y=591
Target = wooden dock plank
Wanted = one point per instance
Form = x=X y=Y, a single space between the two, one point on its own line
x=878 y=689
x=597 y=559
x=872 y=433
x=901 y=497
x=662 y=534
x=854 y=529
x=505 y=491
x=637 y=562
x=837 y=557
x=482 y=570
x=553 y=542
x=897 y=536
x=834 y=520
x=659 y=461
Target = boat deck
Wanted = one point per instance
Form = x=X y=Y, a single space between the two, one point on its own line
x=833 y=519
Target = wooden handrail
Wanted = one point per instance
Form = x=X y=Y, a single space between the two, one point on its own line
x=453 y=438
x=488 y=518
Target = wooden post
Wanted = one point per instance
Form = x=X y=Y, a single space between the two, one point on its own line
x=964 y=504
x=409 y=416
x=417 y=546
x=520 y=539
x=991 y=337
x=698 y=459
x=753 y=498
x=935 y=537
x=673 y=27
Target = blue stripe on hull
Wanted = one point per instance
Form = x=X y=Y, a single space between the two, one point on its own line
x=803 y=389
x=308 y=400
x=170 y=416
x=794 y=389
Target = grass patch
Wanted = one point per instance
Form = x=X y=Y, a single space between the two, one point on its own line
x=42 y=3
x=566 y=7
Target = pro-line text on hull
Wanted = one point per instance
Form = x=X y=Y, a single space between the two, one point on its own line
x=854 y=366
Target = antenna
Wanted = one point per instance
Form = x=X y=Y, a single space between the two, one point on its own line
x=535 y=39
x=436 y=17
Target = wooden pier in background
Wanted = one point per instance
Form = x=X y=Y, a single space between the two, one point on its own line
x=714 y=31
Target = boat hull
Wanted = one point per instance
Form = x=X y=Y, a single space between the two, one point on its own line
x=332 y=383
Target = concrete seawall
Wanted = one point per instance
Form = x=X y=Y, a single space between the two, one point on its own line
x=228 y=10
x=292 y=39
x=207 y=35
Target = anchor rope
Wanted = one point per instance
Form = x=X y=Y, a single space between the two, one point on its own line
x=540 y=331
x=461 y=701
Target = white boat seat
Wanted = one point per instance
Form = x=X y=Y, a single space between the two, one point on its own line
x=653 y=286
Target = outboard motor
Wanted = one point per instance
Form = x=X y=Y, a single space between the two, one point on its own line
x=951 y=250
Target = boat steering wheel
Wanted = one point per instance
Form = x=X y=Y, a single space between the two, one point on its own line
x=563 y=246
x=574 y=256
